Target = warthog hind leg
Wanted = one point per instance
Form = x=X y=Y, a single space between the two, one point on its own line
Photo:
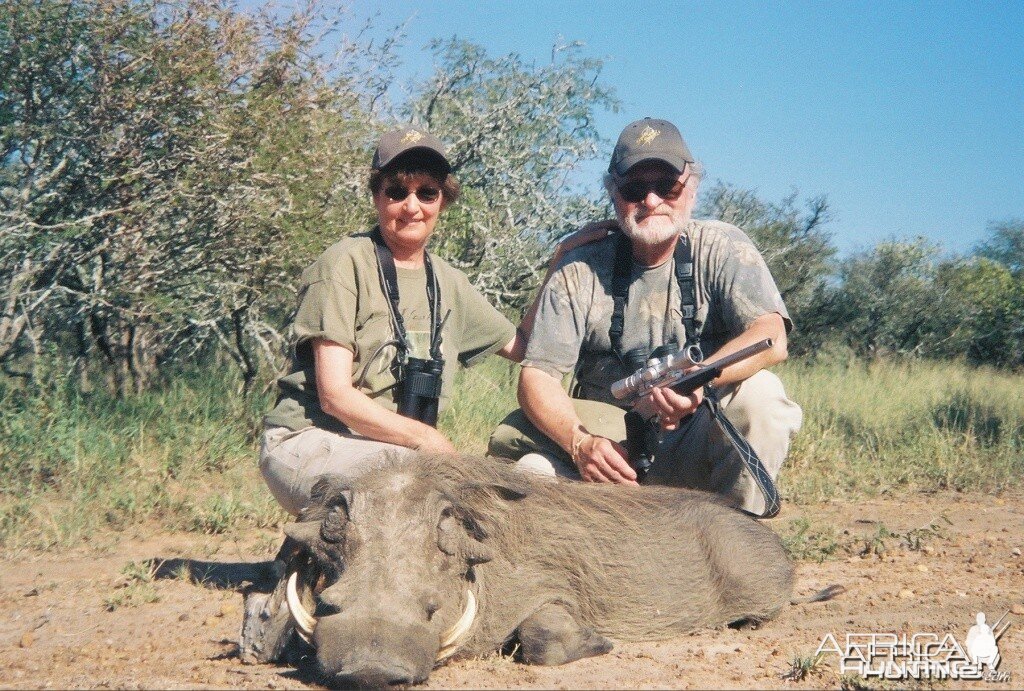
x=551 y=636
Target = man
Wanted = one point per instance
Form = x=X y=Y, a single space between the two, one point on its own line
x=733 y=302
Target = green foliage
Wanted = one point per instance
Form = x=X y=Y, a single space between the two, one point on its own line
x=883 y=428
x=515 y=132
x=795 y=245
x=1005 y=244
x=164 y=166
x=884 y=300
x=182 y=455
x=803 y=666
x=807 y=542
x=134 y=589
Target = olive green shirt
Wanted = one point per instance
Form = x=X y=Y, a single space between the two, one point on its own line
x=733 y=288
x=341 y=300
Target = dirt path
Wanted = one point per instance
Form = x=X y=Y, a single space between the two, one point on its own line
x=76 y=620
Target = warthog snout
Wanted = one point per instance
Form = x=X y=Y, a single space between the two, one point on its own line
x=373 y=652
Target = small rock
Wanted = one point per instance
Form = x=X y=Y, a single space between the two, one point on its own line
x=1016 y=551
x=906 y=592
x=210 y=621
x=1017 y=609
x=27 y=639
x=183 y=617
x=227 y=608
x=928 y=549
x=922 y=568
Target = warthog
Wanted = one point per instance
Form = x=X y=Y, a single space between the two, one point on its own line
x=430 y=557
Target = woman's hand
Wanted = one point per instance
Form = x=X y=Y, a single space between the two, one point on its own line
x=435 y=442
x=591 y=232
x=361 y=414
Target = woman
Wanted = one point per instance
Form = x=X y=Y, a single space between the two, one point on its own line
x=380 y=325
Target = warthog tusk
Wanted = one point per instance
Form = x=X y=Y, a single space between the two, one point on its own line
x=452 y=638
x=304 y=621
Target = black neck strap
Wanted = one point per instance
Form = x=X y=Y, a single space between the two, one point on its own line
x=389 y=284
x=683 y=260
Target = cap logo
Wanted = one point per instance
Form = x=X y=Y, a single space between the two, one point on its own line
x=411 y=137
x=648 y=135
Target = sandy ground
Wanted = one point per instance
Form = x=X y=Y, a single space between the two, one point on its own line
x=74 y=619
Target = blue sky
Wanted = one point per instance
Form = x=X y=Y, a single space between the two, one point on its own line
x=908 y=116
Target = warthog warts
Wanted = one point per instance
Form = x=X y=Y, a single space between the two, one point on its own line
x=427 y=558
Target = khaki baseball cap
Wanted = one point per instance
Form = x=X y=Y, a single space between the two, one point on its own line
x=401 y=141
x=649 y=140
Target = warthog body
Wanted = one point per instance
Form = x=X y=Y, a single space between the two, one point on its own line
x=390 y=566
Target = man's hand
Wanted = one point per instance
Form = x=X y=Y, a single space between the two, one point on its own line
x=602 y=460
x=669 y=406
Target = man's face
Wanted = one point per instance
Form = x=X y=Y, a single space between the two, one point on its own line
x=652 y=219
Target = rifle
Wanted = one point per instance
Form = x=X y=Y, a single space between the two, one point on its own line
x=670 y=371
x=641 y=434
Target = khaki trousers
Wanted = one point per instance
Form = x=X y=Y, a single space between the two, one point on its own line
x=758 y=407
x=291 y=461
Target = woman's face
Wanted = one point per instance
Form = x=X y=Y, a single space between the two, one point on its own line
x=407 y=211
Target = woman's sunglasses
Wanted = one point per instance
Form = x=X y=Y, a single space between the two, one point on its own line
x=398 y=193
x=636 y=191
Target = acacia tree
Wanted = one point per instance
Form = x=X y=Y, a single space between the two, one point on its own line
x=158 y=160
x=795 y=245
x=886 y=301
x=517 y=133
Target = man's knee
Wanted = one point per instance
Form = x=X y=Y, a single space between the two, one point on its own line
x=547 y=465
x=765 y=415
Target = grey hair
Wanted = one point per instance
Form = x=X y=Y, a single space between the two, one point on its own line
x=696 y=170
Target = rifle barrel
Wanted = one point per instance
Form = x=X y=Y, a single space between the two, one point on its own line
x=712 y=370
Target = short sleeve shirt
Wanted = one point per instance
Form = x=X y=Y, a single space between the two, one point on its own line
x=733 y=288
x=341 y=300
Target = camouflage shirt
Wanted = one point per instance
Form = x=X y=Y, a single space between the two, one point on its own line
x=733 y=286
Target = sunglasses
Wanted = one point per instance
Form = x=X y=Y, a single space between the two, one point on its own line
x=398 y=193
x=636 y=191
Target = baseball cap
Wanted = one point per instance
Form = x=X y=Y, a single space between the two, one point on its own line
x=401 y=141
x=647 y=140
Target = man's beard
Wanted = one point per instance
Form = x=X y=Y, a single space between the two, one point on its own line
x=656 y=229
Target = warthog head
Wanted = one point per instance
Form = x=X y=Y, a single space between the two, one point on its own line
x=383 y=584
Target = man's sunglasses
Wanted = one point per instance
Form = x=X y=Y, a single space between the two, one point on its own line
x=398 y=193
x=635 y=191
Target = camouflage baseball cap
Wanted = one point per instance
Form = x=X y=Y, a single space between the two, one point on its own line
x=401 y=141
x=649 y=140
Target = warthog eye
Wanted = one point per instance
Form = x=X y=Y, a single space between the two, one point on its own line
x=332 y=529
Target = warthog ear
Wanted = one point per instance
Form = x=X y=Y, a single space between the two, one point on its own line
x=332 y=529
x=330 y=490
x=461 y=537
x=305 y=533
x=508 y=489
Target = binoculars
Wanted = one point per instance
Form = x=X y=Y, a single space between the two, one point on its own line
x=420 y=390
